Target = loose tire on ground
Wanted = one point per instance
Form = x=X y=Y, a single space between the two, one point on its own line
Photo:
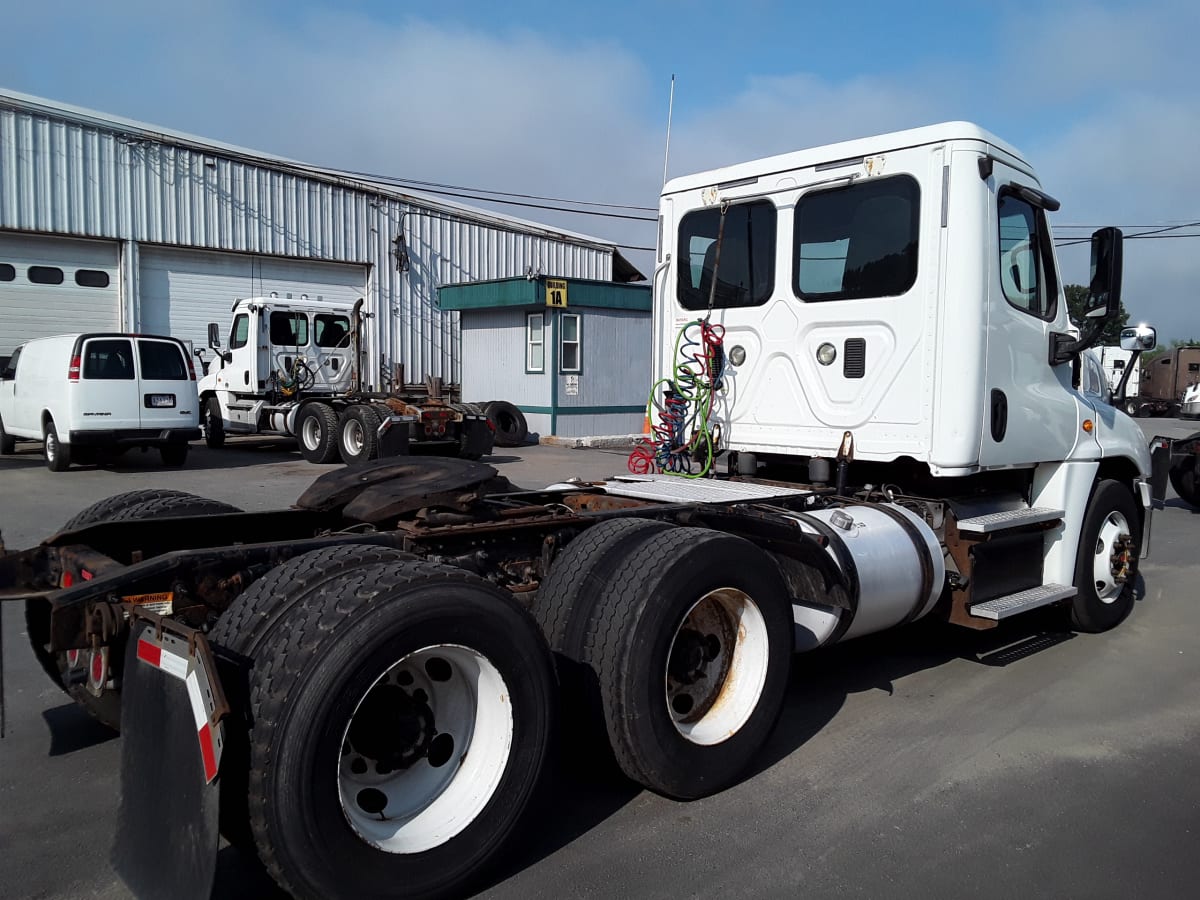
x=214 y=427
x=68 y=667
x=237 y=635
x=173 y=455
x=461 y=671
x=8 y=443
x=508 y=422
x=317 y=430
x=690 y=647
x=1110 y=528
x=58 y=454
x=358 y=434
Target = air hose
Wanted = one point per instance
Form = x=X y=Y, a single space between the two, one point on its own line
x=683 y=438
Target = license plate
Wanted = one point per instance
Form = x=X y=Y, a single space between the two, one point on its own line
x=160 y=401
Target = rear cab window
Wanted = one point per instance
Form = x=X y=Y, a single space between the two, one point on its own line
x=331 y=330
x=161 y=361
x=108 y=359
x=857 y=241
x=744 y=268
x=289 y=329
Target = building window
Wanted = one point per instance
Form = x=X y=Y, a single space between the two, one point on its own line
x=535 y=342
x=91 y=278
x=857 y=241
x=7 y=272
x=45 y=275
x=569 y=353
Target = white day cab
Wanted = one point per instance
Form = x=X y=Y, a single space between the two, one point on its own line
x=877 y=327
x=84 y=395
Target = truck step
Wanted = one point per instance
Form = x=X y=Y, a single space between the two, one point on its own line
x=1022 y=601
x=1013 y=518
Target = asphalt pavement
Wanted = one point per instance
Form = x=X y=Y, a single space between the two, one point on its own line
x=929 y=761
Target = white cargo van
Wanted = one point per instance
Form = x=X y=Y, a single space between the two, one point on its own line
x=85 y=393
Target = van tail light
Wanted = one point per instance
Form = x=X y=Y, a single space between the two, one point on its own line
x=191 y=368
x=73 y=372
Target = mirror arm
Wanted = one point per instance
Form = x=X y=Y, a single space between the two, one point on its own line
x=1064 y=348
x=1130 y=364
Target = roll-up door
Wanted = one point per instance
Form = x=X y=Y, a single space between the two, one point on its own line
x=183 y=290
x=51 y=285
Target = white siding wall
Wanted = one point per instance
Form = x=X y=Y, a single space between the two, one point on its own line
x=494 y=359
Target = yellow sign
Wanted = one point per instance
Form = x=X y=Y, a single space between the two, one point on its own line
x=556 y=292
x=160 y=603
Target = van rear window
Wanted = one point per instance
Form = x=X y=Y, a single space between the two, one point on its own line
x=161 y=361
x=108 y=360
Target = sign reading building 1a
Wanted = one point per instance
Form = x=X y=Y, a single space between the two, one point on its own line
x=556 y=292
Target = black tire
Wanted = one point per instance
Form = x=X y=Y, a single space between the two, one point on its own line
x=1132 y=407
x=358 y=434
x=168 y=507
x=214 y=427
x=637 y=645
x=103 y=509
x=57 y=454
x=1183 y=479
x=317 y=432
x=174 y=455
x=314 y=667
x=578 y=576
x=1090 y=611
x=8 y=443
x=237 y=635
x=508 y=422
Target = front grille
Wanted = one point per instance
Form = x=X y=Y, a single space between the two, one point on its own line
x=854 y=358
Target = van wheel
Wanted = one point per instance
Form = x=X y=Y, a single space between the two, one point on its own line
x=401 y=720
x=58 y=454
x=173 y=455
x=690 y=647
x=317 y=429
x=214 y=428
x=7 y=443
x=1107 y=562
x=358 y=434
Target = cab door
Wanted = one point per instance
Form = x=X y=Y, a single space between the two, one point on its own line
x=107 y=395
x=332 y=350
x=1030 y=409
x=165 y=385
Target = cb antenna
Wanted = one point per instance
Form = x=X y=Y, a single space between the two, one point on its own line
x=670 y=108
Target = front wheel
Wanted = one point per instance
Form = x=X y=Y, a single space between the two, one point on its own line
x=401 y=719
x=1107 y=560
x=214 y=425
x=8 y=443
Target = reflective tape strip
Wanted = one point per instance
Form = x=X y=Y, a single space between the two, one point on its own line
x=181 y=667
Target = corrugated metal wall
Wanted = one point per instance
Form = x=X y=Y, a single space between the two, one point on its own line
x=62 y=175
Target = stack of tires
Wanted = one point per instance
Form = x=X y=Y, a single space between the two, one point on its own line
x=508 y=423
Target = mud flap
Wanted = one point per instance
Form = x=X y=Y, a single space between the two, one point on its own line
x=166 y=837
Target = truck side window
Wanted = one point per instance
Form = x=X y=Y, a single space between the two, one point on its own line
x=745 y=273
x=108 y=360
x=239 y=334
x=857 y=241
x=289 y=329
x=331 y=331
x=1026 y=275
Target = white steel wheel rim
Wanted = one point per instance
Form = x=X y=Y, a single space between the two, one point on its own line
x=310 y=433
x=442 y=716
x=352 y=436
x=51 y=445
x=1111 y=544
x=717 y=666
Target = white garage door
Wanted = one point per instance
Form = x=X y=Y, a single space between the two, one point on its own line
x=183 y=290
x=55 y=285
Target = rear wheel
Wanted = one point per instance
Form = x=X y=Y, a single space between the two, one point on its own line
x=401 y=721
x=1131 y=407
x=214 y=426
x=690 y=647
x=1183 y=478
x=173 y=455
x=1107 y=560
x=358 y=434
x=317 y=430
x=58 y=454
x=7 y=443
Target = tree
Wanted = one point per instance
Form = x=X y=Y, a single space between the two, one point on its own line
x=1077 y=297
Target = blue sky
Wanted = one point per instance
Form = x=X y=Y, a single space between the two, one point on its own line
x=570 y=100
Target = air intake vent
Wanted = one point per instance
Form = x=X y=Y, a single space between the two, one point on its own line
x=854 y=358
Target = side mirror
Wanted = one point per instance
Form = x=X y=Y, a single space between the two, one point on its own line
x=1104 y=289
x=1139 y=337
x=214 y=335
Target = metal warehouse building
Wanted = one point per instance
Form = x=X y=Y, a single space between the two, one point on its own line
x=108 y=224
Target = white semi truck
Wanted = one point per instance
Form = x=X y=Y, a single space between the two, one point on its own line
x=295 y=367
x=869 y=342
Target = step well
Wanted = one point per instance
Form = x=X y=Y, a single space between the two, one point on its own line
x=1022 y=601
x=1013 y=518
